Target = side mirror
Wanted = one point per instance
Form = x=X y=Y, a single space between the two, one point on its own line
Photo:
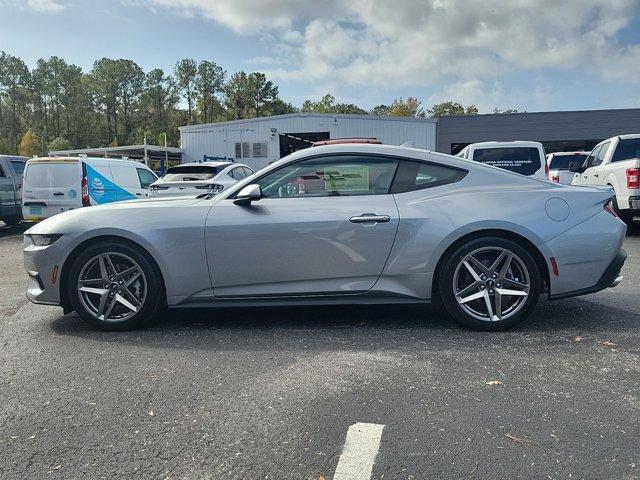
x=575 y=167
x=248 y=194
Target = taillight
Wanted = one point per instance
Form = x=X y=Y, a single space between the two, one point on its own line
x=86 y=202
x=555 y=177
x=633 y=182
x=609 y=208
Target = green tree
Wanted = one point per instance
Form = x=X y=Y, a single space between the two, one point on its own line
x=104 y=84
x=208 y=86
x=58 y=143
x=280 y=107
x=381 y=110
x=14 y=81
x=411 y=107
x=186 y=71
x=451 y=108
x=260 y=92
x=29 y=145
x=328 y=104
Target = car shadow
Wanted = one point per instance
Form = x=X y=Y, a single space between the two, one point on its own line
x=331 y=328
x=11 y=231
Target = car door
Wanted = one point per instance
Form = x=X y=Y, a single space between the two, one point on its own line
x=325 y=225
x=585 y=178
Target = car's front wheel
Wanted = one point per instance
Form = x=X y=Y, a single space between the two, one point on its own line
x=115 y=286
x=490 y=284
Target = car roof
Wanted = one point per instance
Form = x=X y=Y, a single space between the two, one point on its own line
x=84 y=159
x=515 y=143
x=628 y=136
x=577 y=152
x=205 y=164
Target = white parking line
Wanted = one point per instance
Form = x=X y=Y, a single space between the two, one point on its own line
x=359 y=452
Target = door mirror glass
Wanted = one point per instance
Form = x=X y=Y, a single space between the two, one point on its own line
x=248 y=194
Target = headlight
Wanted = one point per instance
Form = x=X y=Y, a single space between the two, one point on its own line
x=43 y=240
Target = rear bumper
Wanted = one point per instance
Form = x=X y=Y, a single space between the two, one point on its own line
x=634 y=203
x=610 y=278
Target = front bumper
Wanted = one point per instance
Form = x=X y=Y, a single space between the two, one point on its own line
x=43 y=285
x=610 y=278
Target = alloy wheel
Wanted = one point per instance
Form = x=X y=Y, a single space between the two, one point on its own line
x=491 y=284
x=112 y=287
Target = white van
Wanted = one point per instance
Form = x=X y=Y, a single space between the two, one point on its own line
x=55 y=184
x=526 y=158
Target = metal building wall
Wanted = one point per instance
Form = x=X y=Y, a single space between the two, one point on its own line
x=540 y=126
x=219 y=139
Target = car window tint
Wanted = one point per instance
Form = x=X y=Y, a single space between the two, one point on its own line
x=247 y=171
x=191 y=173
x=599 y=158
x=17 y=166
x=522 y=160
x=627 y=149
x=418 y=175
x=347 y=175
x=590 y=159
x=38 y=175
x=237 y=173
x=146 y=177
x=561 y=162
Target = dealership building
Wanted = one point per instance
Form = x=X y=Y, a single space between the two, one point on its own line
x=260 y=141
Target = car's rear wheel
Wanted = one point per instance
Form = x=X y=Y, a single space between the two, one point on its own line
x=115 y=286
x=490 y=284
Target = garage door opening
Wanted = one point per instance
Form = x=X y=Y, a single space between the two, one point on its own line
x=292 y=142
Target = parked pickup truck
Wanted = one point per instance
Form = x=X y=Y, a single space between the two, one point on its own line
x=614 y=162
x=11 y=169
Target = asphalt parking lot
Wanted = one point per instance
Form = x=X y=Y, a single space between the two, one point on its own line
x=270 y=393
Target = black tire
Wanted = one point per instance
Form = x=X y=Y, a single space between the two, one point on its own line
x=152 y=303
x=454 y=263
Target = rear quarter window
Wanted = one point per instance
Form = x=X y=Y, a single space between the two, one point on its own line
x=414 y=175
x=522 y=160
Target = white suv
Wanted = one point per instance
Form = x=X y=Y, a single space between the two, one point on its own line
x=526 y=158
x=614 y=162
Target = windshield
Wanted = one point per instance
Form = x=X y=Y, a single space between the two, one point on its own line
x=522 y=160
x=627 y=149
x=561 y=162
x=190 y=174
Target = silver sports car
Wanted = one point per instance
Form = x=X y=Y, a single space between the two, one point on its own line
x=335 y=224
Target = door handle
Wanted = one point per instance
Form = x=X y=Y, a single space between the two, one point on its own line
x=139 y=194
x=58 y=194
x=596 y=175
x=370 y=218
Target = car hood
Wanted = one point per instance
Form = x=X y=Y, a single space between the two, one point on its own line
x=67 y=221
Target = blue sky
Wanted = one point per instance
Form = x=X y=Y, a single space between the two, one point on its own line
x=527 y=54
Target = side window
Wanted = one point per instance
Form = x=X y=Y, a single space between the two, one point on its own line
x=247 y=171
x=18 y=167
x=413 y=175
x=237 y=173
x=146 y=177
x=347 y=175
x=125 y=176
x=599 y=158
x=1 y=172
x=592 y=156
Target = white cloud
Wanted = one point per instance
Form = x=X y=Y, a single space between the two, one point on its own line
x=45 y=5
x=421 y=42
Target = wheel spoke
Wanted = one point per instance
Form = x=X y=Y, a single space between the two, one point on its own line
x=124 y=274
x=106 y=314
x=97 y=291
x=508 y=282
x=92 y=281
x=110 y=264
x=505 y=266
x=103 y=303
x=496 y=264
x=478 y=265
x=471 y=297
x=514 y=293
x=132 y=298
x=126 y=302
x=473 y=273
x=469 y=289
x=132 y=279
x=498 y=301
x=103 y=268
x=487 y=301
